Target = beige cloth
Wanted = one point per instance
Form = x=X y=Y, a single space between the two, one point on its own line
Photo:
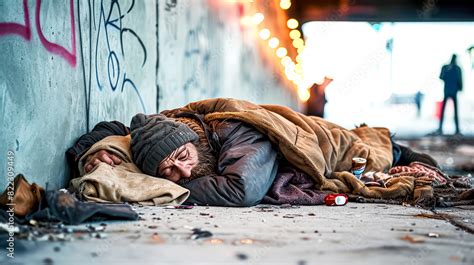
x=124 y=182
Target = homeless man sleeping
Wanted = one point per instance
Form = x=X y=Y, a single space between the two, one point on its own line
x=230 y=152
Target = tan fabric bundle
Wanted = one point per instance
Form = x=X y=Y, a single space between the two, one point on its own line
x=124 y=182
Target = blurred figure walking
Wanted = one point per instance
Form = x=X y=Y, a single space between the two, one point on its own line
x=317 y=99
x=452 y=77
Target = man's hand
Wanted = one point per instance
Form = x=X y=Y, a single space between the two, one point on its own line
x=101 y=156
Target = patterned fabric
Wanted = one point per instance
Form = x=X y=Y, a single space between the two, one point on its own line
x=422 y=172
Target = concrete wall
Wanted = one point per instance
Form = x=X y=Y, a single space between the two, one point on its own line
x=66 y=65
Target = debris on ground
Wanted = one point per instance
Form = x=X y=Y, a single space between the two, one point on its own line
x=214 y=241
x=242 y=256
x=413 y=239
x=58 y=232
x=157 y=239
x=199 y=233
x=179 y=207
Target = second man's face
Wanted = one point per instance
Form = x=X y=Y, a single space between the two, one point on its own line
x=179 y=163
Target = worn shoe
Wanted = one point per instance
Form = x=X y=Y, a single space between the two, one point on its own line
x=408 y=156
x=22 y=196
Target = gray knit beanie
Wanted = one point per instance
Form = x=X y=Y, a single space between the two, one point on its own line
x=154 y=137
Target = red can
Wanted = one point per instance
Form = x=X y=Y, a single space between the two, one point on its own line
x=336 y=199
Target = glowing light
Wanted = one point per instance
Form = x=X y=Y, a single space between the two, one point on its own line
x=285 y=60
x=298 y=43
x=285 y=4
x=281 y=52
x=292 y=23
x=295 y=34
x=299 y=58
x=303 y=93
x=246 y=21
x=264 y=34
x=298 y=69
x=273 y=42
x=258 y=18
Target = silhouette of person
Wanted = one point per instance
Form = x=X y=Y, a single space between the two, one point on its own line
x=317 y=99
x=418 y=101
x=452 y=77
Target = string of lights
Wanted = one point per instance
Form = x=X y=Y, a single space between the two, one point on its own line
x=292 y=68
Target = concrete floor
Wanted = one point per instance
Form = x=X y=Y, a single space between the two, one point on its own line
x=355 y=233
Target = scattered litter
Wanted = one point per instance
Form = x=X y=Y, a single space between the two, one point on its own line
x=338 y=199
x=413 y=239
x=301 y=262
x=48 y=261
x=214 y=241
x=292 y=215
x=204 y=214
x=179 y=207
x=57 y=232
x=157 y=238
x=246 y=241
x=152 y=226
x=241 y=256
x=199 y=233
x=316 y=231
x=264 y=208
x=433 y=235
x=311 y=214
x=101 y=235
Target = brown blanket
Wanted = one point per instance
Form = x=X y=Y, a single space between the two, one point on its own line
x=321 y=149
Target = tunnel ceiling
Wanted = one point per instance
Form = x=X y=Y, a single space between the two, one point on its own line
x=383 y=10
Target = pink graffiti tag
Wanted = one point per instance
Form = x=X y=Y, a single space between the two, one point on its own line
x=53 y=47
x=10 y=28
x=24 y=31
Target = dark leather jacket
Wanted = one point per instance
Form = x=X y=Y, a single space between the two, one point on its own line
x=246 y=166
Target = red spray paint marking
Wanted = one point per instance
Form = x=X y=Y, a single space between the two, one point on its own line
x=53 y=47
x=18 y=29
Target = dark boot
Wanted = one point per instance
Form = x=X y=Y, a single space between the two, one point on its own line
x=408 y=156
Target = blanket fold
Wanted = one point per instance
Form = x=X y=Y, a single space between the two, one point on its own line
x=321 y=149
x=124 y=182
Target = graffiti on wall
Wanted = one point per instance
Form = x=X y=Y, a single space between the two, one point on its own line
x=106 y=35
x=104 y=39
x=24 y=30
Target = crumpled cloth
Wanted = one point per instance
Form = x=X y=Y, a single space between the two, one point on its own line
x=424 y=175
x=420 y=170
x=293 y=187
x=124 y=182
x=62 y=206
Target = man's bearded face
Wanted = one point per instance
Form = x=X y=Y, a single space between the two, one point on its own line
x=189 y=161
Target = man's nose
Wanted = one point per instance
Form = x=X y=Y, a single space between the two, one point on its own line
x=183 y=168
